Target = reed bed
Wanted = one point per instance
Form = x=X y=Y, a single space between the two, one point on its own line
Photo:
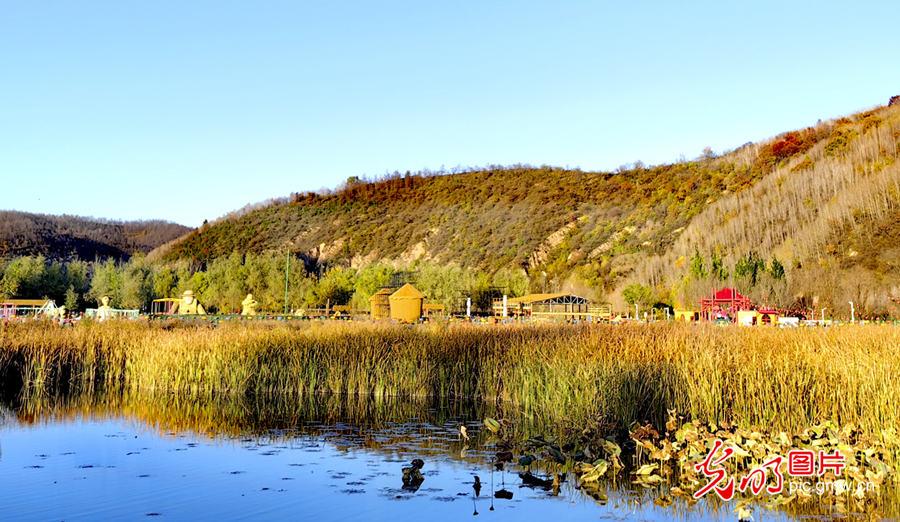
x=770 y=378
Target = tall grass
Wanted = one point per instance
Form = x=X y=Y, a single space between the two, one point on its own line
x=770 y=378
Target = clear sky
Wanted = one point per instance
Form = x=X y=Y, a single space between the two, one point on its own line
x=185 y=110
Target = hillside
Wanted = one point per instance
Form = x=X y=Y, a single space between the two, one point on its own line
x=72 y=237
x=538 y=218
x=829 y=216
x=802 y=220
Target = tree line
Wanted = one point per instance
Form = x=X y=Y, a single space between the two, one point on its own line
x=276 y=281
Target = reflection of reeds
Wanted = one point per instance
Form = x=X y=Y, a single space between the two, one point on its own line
x=776 y=379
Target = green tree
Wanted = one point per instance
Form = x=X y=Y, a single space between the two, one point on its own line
x=718 y=267
x=106 y=280
x=72 y=300
x=78 y=283
x=137 y=284
x=198 y=284
x=183 y=275
x=776 y=269
x=336 y=288
x=698 y=271
x=443 y=284
x=368 y=281
x=639 y=294
x=24 y=277
x=226 y=279
x=749 y=268
x=513 y=279
x=163 y=282
x=483 y=293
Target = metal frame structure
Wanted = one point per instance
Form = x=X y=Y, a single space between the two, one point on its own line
x=549 y=305
x=36 y=307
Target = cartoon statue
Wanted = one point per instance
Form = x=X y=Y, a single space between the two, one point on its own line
x=249 y=305
x=188 y=305
x=103 y=312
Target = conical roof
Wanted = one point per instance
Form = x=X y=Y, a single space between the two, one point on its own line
x=383 y=292
x=407 y=291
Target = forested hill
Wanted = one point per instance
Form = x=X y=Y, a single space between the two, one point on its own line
x=819 y=198
x=546 y=219
x=72 y=237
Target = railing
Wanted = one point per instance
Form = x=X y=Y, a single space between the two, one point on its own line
x=111 y=313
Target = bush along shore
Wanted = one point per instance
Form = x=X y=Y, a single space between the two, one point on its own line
x=762 y=392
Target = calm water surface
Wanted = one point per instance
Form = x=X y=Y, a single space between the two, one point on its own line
x=129 y=460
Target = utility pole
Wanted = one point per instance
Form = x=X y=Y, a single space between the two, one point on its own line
x=287 y=278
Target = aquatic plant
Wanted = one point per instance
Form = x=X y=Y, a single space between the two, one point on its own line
x=770 y=378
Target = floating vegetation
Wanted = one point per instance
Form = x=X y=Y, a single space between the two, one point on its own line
x=646 y=464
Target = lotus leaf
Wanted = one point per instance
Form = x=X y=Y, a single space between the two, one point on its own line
x=600 y=497
x=492 y=425
x=672 y=425
x=758 y=452
x=663 y=501
x=739 y=451
x=592 y=476
x=611 y=447
x=646 y=469
x=583 y=467
x=649 y=480
x=648 y=445
x=662 y=454
x=876 y=478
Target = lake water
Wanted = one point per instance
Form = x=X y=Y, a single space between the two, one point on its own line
x=181 y=459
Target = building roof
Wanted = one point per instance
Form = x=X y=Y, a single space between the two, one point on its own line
x=407 y=291
x=383 y=291
x=727 y=294
x=540 y=298
x=27 y=302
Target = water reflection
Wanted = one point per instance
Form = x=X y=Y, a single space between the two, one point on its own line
x=119 y=456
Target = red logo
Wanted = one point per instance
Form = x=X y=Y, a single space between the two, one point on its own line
x=801 y=463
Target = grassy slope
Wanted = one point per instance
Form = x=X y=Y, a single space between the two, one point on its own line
x=545 y=218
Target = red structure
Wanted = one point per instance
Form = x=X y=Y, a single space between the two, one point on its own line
x=724 y=304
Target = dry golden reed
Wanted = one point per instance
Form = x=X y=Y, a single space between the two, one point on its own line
x=765 y=377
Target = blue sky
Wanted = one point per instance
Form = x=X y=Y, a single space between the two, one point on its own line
x=186 y=110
